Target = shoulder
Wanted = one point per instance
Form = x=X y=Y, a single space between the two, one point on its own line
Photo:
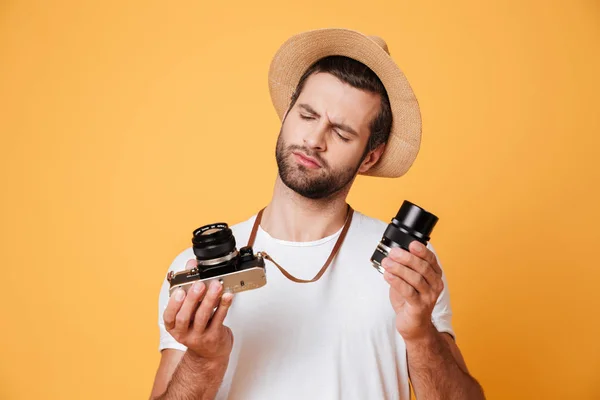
x=178 y=263
x=363 y=236
x=366 y=226
x=368 y=222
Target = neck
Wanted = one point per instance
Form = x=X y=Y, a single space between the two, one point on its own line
x=294 y=218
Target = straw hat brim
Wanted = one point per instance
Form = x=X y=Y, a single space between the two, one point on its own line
x=299 y=52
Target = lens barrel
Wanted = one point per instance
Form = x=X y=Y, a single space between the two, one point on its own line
x=213 y=241
x=410 y=223
x=415 y=221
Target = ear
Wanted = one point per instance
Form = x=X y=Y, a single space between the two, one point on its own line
x=371 y=159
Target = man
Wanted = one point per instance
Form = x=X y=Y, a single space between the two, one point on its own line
x=352 y=333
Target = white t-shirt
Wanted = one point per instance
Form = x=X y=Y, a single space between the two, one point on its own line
x=330 y=339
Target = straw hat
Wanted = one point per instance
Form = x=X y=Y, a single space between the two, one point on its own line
x=299 y=52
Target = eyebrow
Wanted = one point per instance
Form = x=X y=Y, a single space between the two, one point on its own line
x=343 y=127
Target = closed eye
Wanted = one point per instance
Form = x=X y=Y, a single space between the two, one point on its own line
x=306 y=117
x=341 y=137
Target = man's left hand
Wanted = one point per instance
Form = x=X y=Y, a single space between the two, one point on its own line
x=415 y=280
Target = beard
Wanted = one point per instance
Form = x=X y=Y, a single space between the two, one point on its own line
x=313 y=184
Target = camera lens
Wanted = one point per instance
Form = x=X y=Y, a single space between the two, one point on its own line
x=415 y=221
x=411 y=223
x=213 y=241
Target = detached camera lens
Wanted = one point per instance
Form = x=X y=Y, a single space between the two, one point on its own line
x=411 y=223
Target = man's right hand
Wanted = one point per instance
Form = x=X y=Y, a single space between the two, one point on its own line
x=191 y=321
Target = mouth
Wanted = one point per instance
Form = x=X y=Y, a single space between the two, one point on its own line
x=308 y=162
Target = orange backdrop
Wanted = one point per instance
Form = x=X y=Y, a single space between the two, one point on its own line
x=127 y=124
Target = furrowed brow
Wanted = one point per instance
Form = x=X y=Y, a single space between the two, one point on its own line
x=345 y=128
x=309 y=109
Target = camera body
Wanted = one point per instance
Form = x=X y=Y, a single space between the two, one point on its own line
x=218 y=260
x=410 y=223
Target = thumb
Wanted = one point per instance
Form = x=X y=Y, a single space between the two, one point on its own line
x=191 y=264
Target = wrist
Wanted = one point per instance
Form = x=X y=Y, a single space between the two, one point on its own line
x=197 y=363
x=424 y=336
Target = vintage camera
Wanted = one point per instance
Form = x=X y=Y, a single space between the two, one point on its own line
x=218 y=259
x=411 y=223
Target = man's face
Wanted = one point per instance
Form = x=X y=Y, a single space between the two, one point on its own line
x=322 y=142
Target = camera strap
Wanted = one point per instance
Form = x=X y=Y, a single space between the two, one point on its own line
x=334 y=251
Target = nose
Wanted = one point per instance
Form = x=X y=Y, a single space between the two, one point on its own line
x=315 y=138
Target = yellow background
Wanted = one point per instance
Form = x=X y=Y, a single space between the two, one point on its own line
x=125 y=125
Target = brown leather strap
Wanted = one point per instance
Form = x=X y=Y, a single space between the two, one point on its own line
x=255 y=228
x=334 y=251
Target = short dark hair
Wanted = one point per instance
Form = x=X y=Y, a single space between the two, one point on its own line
x=359 y=76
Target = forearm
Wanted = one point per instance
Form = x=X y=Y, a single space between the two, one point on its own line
x=435 y=373
x=195 y=378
